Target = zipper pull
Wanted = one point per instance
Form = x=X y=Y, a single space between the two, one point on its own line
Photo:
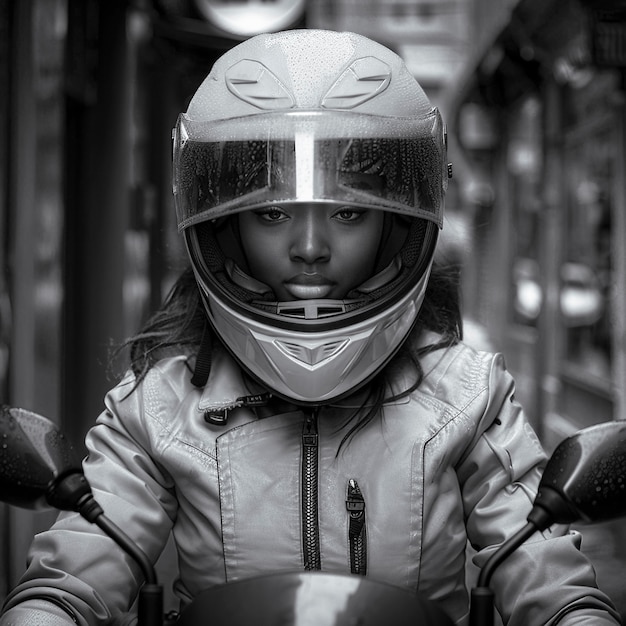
x=357 y=536
x=355 y=503
x=217 y=417
x=309 y=431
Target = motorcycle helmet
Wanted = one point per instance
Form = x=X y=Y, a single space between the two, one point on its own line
x=322 y=118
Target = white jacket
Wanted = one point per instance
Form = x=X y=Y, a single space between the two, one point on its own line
x=456 y=461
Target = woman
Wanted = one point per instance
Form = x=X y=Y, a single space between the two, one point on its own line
x=304 y=400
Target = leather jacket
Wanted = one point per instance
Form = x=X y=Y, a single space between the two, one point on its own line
x=456 y=462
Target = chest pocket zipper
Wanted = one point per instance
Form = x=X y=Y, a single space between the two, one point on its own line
x=357 y=532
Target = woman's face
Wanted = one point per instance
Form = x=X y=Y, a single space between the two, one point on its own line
x=315 y=250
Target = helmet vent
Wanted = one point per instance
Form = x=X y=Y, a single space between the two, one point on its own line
x=364 y=79
x=311 y=309
x=255 y=84
x=312 y=355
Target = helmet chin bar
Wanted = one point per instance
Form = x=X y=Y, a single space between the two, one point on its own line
x=321 y=366
x=314 y=359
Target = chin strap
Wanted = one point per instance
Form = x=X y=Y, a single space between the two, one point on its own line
x=203 y=358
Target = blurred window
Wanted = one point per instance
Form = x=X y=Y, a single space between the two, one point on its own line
x=32 y=39
x=5 y=308
x=586 y=275
x=50 y=25
x=524 y=162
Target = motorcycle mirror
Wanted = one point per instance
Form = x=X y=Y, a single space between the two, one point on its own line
x=39 y=468
x=585 y=478
x=34 y=455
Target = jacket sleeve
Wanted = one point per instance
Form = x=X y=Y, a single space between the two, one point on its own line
x=547 y=580
x=77 y=575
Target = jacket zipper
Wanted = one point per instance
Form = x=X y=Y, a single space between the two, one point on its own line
x=357 y=535
x=310 y=517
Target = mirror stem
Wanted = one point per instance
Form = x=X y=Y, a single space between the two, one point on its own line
x=122 y=540
x=71 y=491
x=509 y=546
x=481 y=606
x=150 y=606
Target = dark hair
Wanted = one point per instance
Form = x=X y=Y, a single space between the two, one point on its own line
x=178 y=328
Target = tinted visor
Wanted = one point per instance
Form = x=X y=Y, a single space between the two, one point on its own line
x=395 y=164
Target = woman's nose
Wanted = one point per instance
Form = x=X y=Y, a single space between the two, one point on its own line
x=310 y=243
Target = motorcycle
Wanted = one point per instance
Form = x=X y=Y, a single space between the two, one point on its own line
x=585 y=479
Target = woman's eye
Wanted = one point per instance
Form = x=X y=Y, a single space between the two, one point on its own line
x=271 y=214
x=348 y=214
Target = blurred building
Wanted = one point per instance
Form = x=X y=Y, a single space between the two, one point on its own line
x=539 y=122
x=432 y=36
x=539 y=126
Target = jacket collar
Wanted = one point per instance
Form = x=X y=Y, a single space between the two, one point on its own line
x=225 y=387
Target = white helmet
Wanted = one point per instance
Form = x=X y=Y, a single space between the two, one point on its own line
x=305 y=116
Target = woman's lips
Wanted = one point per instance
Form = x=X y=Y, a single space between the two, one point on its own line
x=309 y=286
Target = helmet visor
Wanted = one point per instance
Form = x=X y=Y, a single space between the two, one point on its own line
x=394 y=164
